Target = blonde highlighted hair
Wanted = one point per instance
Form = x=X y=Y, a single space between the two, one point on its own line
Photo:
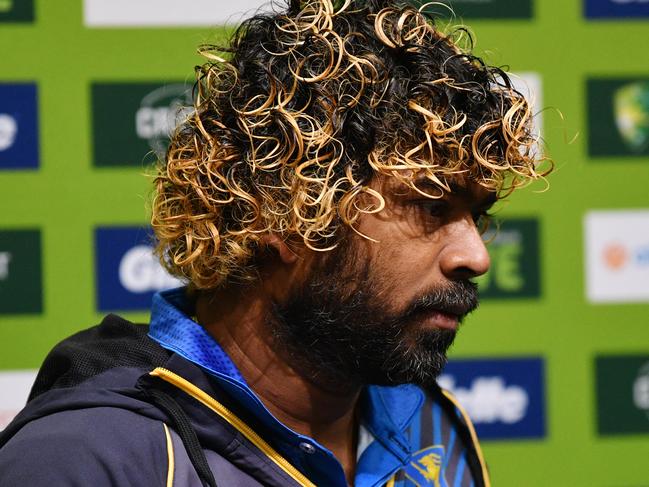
x=304 y=107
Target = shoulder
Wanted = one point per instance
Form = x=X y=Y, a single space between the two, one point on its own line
x=97 y=446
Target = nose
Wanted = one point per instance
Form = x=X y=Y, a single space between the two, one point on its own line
x=464 y=254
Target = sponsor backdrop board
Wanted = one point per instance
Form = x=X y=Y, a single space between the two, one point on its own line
x=480 y=9
x=622 y=394
x=132 y=121
x=505 y=398
x=515 y=260
x=553 y=366
x=127 y=274
x=617 y=256
x=616 y=9
x=620 y=125
x=16 y=11
x=19 y=145
x=20 y=272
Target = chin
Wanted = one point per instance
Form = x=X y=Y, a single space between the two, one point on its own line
x=417 y=365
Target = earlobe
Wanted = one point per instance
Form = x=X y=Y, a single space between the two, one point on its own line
x=285 y=253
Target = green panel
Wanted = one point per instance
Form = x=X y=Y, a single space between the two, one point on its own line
x=514 y=251
x=16 y=11
x=481 y=9
x=132 y=121
x=618 y=117
x=20 y=272
x=622 y=394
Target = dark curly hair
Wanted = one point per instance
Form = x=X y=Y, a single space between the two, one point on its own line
x=298 y=113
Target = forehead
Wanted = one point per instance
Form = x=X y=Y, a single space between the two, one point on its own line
x=422 y=186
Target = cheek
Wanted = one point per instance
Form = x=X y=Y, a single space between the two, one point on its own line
x=404 y=261
x=406 y=269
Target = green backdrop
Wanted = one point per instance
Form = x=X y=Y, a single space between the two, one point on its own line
x=68 y=196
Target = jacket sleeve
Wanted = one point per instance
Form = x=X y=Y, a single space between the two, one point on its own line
x=99 y=447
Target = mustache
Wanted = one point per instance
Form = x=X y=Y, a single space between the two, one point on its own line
x=457 y=298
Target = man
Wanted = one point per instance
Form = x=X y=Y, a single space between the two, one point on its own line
x=325 y=203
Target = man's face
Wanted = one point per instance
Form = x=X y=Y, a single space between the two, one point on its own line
x=386 y=311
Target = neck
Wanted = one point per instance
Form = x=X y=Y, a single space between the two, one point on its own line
x=238 y=319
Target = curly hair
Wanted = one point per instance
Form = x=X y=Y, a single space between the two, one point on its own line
x=310 y=105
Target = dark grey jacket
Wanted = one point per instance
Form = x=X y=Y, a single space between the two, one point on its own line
x=110 y=407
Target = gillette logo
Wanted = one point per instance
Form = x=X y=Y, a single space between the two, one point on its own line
x=505 y=398
x=140 y=271
x=128 y=273
x=19 y=139
x=489 y=399
x=8 y=131
x=604 y=9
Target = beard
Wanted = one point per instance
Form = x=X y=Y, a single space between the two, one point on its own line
x=340 y=331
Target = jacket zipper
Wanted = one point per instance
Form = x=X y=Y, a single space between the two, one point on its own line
x=211 y=403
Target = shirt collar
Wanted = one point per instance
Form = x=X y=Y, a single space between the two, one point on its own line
x=172 y=327
x=385 y=411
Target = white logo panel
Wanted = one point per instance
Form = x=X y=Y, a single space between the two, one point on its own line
x=168 y=13
x=15 y=386
x=529 y=85
x=617 y=256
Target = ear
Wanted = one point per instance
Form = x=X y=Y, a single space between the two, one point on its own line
x=284 y=252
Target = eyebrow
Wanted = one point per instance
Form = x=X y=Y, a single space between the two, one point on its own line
x=462 y=191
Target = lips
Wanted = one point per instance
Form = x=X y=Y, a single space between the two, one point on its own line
x=442 y=320
x=445 y=307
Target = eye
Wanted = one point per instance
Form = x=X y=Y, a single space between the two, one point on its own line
x=435 y=208
x=481 y=219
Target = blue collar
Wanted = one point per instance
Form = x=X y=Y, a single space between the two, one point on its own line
x=385 y=411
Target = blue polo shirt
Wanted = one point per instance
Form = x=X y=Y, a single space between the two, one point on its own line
x=397 y=434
